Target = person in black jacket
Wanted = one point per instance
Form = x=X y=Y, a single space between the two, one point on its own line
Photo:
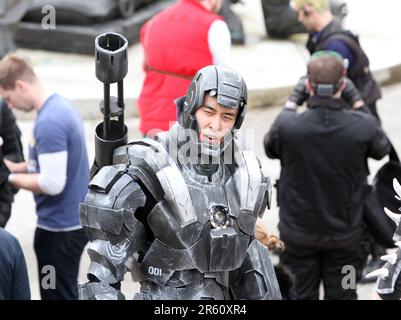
x=323 y=153
x=11 y=149
x=14 y=282
x=327 y=33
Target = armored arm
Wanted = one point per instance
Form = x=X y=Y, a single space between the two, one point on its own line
x=109 y=217
x=112 y=205
x=388 y=284
x=256 y=278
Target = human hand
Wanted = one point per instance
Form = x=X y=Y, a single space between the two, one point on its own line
x=15 y=167
x=270 y=241
x=12 y=166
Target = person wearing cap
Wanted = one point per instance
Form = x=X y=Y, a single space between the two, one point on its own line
x=180 y=211
x=327 y=33
x=323 y=153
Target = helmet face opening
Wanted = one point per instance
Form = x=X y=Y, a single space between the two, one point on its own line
x=230 y=91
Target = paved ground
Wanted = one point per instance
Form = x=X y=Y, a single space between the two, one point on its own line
x=22 y=223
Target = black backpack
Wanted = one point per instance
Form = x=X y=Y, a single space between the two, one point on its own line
x=7 y=117
x=12 y=149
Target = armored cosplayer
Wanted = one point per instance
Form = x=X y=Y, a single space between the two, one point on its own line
x=179 y=211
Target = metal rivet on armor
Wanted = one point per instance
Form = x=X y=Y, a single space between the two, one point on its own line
x=219 y=217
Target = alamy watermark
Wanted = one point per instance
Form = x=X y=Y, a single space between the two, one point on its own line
x=48 y=281
x=348 y=282
x=187 y=147
x=49 y=19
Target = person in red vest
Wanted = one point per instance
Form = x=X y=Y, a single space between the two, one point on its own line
x=177 y=42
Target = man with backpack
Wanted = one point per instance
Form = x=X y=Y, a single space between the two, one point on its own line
x=327 y=33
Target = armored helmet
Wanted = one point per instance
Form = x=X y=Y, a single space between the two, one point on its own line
x=230 y=90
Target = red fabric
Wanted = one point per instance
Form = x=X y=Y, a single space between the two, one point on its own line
x=175 y=41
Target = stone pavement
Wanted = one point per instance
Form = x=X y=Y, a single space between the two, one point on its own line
x=270 y=69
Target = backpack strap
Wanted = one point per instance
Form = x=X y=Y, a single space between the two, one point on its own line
x=361 y=66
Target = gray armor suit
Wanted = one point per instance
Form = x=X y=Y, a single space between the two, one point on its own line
x=388 y=284
x=183 y=228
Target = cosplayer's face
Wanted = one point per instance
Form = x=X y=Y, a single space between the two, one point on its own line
x=214 y=120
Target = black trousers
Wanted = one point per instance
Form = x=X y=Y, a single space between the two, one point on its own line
x=59 y=252
x=311 y=265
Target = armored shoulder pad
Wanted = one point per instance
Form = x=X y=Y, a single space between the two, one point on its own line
x=108 y=212
x=145 y=158
x=250 y=182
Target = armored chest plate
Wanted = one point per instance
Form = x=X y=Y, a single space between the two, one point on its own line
x=199 y=223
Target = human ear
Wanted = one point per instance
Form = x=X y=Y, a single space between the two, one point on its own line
x=20 y=85
x=309 y=86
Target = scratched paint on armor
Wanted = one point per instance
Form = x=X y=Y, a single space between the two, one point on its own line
x=182 y=254
x=185 y=240
x=389 y=276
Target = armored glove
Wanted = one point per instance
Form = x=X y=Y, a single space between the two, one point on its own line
x=388 y=284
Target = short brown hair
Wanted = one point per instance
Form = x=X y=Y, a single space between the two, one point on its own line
x=326 y=68
x=12 y=68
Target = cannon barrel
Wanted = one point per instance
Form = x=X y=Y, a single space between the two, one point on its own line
x=111 y=67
